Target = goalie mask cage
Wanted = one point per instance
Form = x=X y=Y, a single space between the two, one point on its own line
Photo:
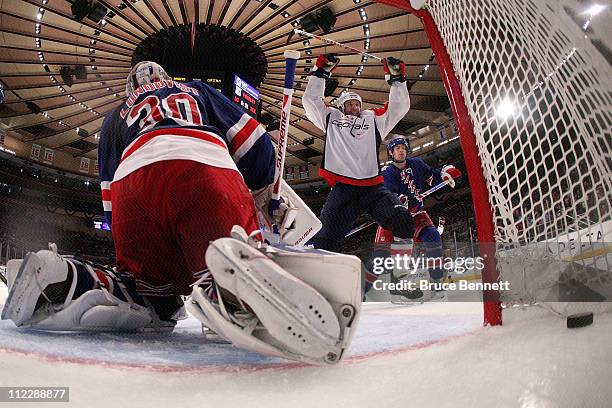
x=532 y=99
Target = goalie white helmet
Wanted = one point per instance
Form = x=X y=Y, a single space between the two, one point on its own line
x=347 y=96
x=145 y=72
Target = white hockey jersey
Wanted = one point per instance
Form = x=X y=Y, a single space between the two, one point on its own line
x=350 y=154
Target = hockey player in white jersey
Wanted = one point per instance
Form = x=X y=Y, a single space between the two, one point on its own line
x=350 y=162
x=276 y=301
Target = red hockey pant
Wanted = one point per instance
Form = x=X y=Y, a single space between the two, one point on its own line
x=165 y=215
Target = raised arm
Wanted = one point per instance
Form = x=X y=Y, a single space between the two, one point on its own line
x=316 y=110
x=399 y=99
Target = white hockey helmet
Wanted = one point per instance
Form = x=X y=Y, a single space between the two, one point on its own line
x=145 y=72
x=347 y=96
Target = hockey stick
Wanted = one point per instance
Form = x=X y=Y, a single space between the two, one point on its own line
x=339 y=44
x=422 y=195
x=291 y=57
x=301 y=223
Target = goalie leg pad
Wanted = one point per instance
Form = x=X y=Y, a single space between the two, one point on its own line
x=336 y=276
x=43 y=295
x=96 y=310
x=291 y=311
x=35 y=273
x=298 y=321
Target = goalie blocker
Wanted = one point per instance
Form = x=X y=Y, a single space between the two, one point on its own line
x=294 y=221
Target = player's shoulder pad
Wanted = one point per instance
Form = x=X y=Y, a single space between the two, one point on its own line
x=389 y=169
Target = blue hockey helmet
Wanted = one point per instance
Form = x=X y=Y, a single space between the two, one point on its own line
x=397 y=141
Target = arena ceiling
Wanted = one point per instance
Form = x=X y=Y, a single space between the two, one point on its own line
x=38 y=37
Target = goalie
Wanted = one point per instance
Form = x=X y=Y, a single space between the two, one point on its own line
x=178 y=163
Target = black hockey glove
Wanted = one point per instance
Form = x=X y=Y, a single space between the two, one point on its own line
x=395 y=70
x=325 y=64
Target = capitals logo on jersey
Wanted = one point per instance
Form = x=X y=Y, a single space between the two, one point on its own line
x=357 y=126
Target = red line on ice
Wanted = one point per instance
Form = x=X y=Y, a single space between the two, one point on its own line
x=223 y=368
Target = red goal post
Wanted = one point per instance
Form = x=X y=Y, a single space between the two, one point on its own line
x=510 y=185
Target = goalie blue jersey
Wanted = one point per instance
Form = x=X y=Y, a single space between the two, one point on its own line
x=169 y=120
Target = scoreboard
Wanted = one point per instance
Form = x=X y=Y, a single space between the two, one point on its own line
x=246 y=96
x=216 y=81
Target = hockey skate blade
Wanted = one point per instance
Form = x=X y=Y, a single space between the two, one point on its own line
x=291 y=311
x=202 y=309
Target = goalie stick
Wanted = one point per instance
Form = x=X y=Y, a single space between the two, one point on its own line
x=422 y=195
x=305 y=223
x=291 y=57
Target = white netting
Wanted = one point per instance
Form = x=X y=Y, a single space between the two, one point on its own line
x=540 y=97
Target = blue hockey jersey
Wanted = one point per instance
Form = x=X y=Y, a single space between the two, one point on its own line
x=169 y=120
x=416 y=178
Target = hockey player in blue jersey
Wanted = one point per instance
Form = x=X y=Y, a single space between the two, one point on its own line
x=408 y=178
x=183 y=172
x=350 y=161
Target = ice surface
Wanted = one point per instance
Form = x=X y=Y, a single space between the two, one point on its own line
x=402 y=356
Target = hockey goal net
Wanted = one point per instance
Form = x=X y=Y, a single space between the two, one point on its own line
x=532 y=97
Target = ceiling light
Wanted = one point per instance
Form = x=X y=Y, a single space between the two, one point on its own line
x=595 y=9
x=506 y=108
